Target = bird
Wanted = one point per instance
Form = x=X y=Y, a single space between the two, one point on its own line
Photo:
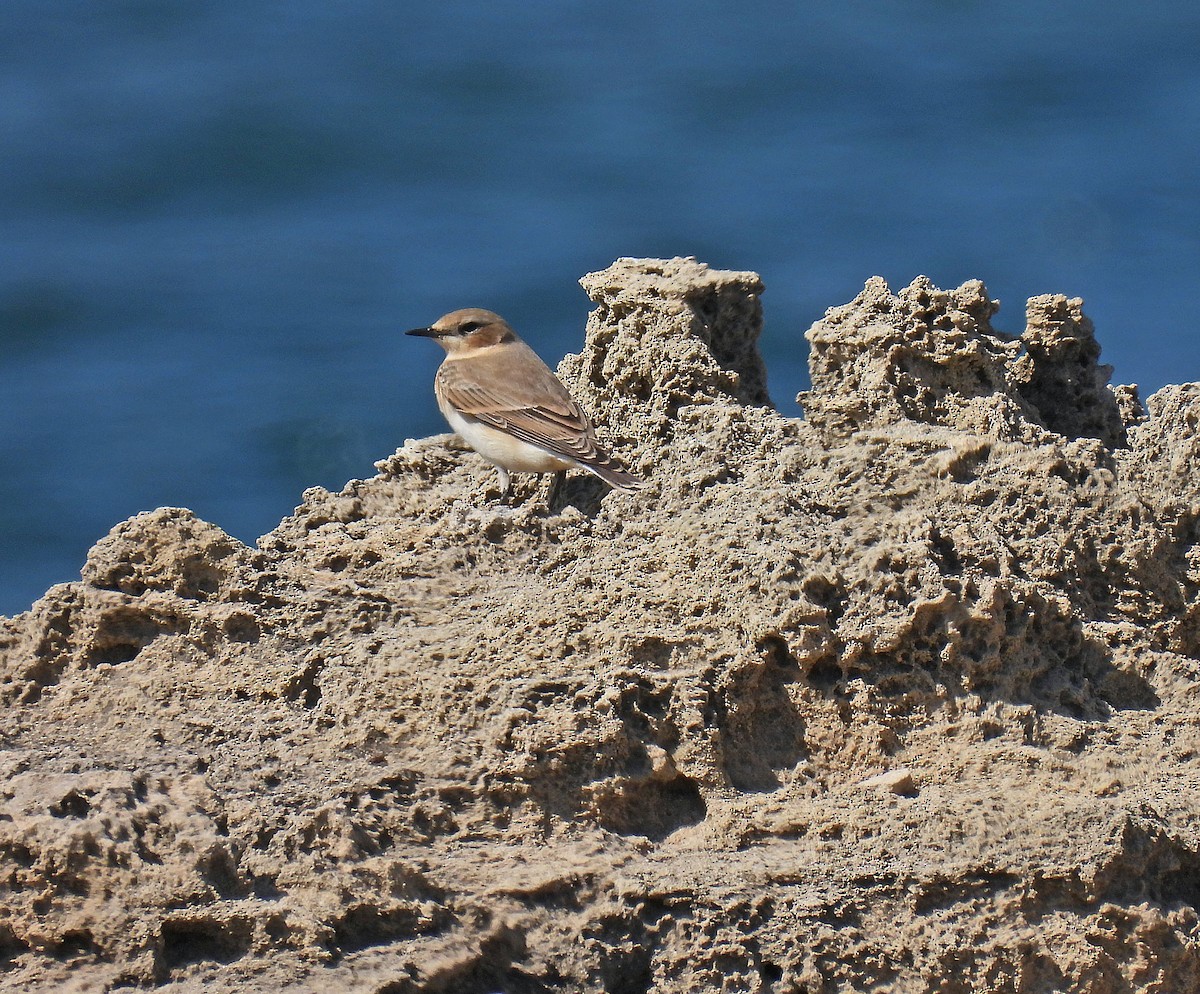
x=510 y=407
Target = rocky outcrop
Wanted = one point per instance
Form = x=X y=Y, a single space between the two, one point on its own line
x=899 y=696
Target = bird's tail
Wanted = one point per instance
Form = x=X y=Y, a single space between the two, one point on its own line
x=614 y=476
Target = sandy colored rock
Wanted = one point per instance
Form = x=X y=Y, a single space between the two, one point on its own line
x=418 y=741
x=897 y=781
x=1059 y=376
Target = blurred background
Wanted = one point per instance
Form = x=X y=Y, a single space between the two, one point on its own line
x=216 y=218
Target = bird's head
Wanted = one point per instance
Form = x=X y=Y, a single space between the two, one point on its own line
x=467 y=330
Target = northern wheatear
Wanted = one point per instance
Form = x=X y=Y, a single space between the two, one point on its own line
x=509 y=406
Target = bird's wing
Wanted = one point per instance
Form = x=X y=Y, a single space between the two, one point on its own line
x=511 y=389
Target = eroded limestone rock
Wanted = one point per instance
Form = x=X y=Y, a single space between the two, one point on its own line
x=420 y=741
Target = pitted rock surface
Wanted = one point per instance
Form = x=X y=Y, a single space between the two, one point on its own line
x=901 y=696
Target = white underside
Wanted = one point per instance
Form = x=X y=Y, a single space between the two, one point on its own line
x=503 y=450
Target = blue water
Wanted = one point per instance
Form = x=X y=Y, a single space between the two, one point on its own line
x=215 y=218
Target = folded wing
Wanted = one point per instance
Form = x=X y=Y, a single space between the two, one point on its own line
x=511 y=389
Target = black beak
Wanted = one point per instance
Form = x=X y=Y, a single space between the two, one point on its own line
x=423 y=332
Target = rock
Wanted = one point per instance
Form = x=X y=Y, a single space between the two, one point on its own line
x=894 y=781
x=419 y=741
x=167 y=550
x=1059 y=377
x=923 y=355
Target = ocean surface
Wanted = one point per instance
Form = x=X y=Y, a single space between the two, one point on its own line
x=216 y=219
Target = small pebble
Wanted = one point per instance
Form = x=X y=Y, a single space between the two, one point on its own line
x=897 y=781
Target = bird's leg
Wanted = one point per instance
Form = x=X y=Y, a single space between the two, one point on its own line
x=505 y=482
x=555 y=487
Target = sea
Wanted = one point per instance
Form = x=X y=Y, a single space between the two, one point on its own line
x=217 y=218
